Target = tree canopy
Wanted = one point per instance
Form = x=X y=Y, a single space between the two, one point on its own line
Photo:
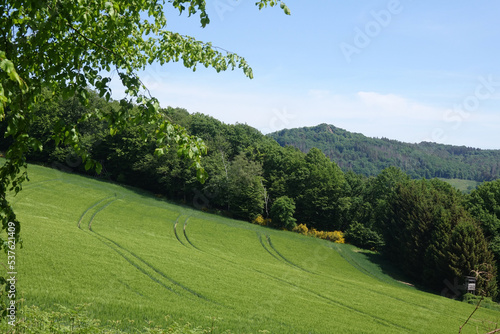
x=252 y=177
x=67 y=46
x=369 y=156
x=56 y=59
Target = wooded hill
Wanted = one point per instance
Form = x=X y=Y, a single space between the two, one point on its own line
x=442 y=232
x=369 y=156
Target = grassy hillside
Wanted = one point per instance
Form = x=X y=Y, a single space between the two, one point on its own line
x=136 y=258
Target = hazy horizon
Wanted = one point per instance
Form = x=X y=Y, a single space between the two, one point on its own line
x=402 y=70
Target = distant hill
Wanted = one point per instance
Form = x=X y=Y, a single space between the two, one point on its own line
x=368 y=156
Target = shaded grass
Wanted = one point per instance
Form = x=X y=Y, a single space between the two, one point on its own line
x=373 y=264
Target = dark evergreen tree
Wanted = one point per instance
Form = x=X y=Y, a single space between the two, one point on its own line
x=468 y=254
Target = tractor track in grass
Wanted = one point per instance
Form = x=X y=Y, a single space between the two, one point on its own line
x=175 y=231
x=349 y=259
x=35 y=184
x=264 y=246
x=128 y=287
x=113 y=246
x=157 y=271
x=30 y=185
x=100 y=209
x=90 y=208
x=120 y=250
x=283 y=257
x=278 y=255
x=318 y=295
x=185 y=234
x=136 y=266
x=329 y=300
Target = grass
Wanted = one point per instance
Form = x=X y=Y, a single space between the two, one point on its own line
x=137 y=259
x=463 y=185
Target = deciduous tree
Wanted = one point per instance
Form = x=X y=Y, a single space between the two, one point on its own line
x=282 y=213
x=67 y=46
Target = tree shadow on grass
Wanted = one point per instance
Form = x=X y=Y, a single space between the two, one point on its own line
x=376 y=265
x=391 y=270
x=387 y=267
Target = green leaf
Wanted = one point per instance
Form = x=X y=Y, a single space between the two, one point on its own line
x=88 y=164
x=98 y=167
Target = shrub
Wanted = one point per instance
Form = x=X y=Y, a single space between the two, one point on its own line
x=335 y=236
x=314 y=233
x=259 y=220
x=301 y=228
x=363 y=237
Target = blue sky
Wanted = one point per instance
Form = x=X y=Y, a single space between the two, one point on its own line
x=406 y=70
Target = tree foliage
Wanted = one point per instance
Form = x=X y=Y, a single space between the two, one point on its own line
x=364 y=237
x=369 y=156
x=484 y=204
x=282 y=213
x=245 y=189
x=416 y=224
x=57 y=58
x=431 y=236
x=65 y=47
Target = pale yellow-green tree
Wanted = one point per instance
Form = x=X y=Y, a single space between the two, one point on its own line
x=65 y=46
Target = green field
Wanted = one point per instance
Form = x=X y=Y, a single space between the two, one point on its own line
x=463 y=185
x=136 y=258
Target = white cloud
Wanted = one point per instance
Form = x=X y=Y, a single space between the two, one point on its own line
x=390 y=105
x=371 y=113
x=318 y=93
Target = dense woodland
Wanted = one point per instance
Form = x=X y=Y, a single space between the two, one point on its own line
x=430 y=230
x=369 y=156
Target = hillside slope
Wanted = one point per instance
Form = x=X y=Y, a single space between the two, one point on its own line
x=368 y=156
x=134 y=256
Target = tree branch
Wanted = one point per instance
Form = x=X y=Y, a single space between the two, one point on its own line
x=470 y=316
x=89 y=40
x=494 y=331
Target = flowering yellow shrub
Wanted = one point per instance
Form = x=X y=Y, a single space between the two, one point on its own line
x=301 y=228
x=259 y=220
x=335 y=236
x=314 y=233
